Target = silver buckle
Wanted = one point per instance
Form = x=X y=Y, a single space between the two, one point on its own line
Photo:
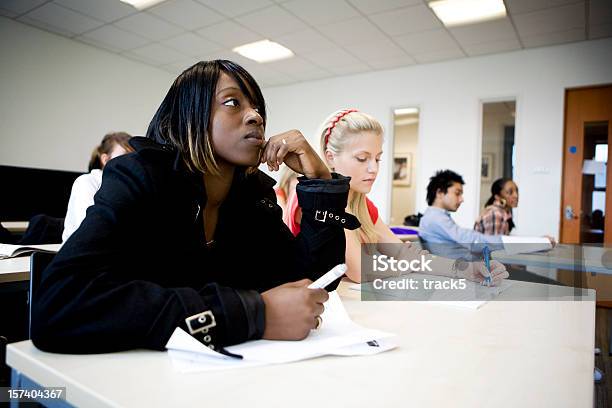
x=200 y=319
x=316 y=217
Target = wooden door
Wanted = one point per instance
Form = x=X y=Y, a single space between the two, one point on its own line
x=588 y=115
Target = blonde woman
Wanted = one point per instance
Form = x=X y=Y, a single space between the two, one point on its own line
x=351 y=145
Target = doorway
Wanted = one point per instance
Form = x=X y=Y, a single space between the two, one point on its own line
x=498 y=158
x=405 y=144
x=585 y=202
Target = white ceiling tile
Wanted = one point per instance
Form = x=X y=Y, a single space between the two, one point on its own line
x=230 y=34
x=407 y=20
x=14 y=8
x=378 y=6
x=179 y=66
x=392 y=62
x=369 y=51
x=112 y=37
x=492 y=47
x=149 y=26
x=44 y=26
x=600 y=12
x=97 y=44
x=353 y=31
x=294 y=66
x=7 y=13
x=108 y=10
x=63 y=19
x=313 y=75
x=320 y=12
x=550 y=20
x=333 y=57
x=350 y=69
x=527 y=6
x=192 y=44
x=271 y=21
x=304 y=41
x=188 y=14
x=600 y=31
x=561 y=37
x=157 y=54
x=426 y=41
x=233 y=8
x=485 y=32
x=435 y=56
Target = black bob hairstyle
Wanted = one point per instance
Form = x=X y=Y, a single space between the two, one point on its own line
x=441 y=181
x=183 y=118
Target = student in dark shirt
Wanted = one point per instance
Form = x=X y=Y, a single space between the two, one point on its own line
x=185 y=232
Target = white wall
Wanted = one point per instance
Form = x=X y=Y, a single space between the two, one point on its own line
x=59 y=97
x=448 y=95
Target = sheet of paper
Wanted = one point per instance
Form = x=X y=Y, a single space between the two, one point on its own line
x=524 y=245
x=336 y=331
x=338 y=335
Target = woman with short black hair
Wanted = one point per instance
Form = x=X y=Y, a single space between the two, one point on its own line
x=185 y=232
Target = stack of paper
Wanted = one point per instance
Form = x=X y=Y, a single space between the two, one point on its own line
x=525 y=245
x=338 y=335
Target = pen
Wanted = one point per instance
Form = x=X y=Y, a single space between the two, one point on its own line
x=336 y=272
x=486 y=254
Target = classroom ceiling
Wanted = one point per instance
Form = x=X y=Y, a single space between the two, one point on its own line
x=329 y=37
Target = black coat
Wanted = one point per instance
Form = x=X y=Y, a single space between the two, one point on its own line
x=139 y=265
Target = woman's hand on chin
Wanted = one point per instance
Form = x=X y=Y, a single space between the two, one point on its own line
x=293 y=149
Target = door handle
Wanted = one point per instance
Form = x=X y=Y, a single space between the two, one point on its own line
x=570 y=214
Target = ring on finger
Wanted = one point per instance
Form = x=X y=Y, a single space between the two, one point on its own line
x=284 y=142
x=319 y=322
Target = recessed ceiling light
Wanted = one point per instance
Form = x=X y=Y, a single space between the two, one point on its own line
x=264 y=51
x=141 y=4
x=459 y=12
x=405 y=111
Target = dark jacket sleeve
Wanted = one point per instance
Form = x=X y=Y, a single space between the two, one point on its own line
x=93 y=298
x=321 y=243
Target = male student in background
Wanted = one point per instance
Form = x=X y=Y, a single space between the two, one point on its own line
x=445 y=195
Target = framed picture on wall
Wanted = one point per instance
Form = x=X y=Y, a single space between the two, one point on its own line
x=402 y=163
x=486 y=169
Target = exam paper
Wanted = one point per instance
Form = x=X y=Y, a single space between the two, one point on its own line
x=338 y=335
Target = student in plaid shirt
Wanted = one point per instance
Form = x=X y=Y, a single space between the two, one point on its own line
x=497 y=216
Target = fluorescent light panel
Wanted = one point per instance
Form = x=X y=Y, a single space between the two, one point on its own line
x=141 y=4
x=264 y=51
x=459 y=12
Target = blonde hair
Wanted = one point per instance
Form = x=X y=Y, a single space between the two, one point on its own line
x=335 y=133
x=284 y=183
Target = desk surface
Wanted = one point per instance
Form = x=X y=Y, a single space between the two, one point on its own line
x=18 y=269
x=571 y=257
x=15 y=226
x=506 y=354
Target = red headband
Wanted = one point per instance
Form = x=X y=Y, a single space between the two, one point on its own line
x=336 y=120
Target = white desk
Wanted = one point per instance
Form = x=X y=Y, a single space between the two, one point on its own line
x=563 y=256
x=16 y=226
x=15 y=269
x=18 y=269
x=506 y=354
